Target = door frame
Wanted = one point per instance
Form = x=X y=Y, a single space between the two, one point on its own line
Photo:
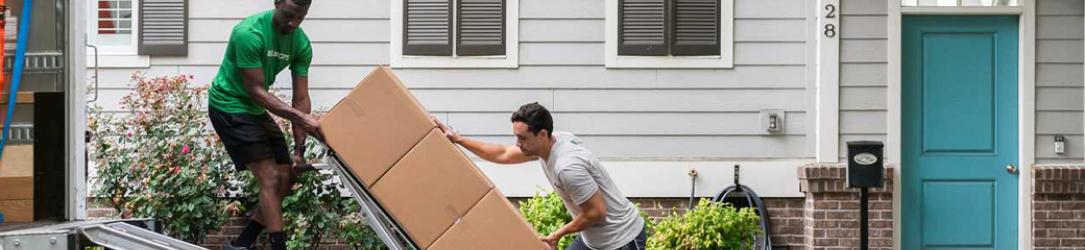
x=1026 y=103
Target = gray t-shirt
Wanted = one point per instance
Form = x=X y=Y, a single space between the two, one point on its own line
x=576 y=175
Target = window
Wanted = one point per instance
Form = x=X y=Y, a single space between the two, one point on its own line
x=669 y=33
x=669 y=27
x=113 y=31
x=144 y=27
x=454 y=33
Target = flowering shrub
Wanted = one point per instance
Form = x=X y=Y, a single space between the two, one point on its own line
x=157 y=162
x=161 y=160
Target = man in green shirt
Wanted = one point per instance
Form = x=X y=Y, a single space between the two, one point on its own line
x=260 y=47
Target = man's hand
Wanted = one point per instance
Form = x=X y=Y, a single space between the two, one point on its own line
x=311 y=126
x=451 y=134
x=551 y=241
x=298 y=159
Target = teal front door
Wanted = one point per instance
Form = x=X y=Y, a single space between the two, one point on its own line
x=959 y=132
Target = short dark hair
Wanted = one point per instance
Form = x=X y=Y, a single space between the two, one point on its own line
x=536 y=117
x=298 y=2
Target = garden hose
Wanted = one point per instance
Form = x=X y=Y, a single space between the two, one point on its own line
x=17 y=71
x=735 y=193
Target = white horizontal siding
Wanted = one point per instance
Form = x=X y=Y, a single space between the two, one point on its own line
x=686 y=147
x=1058 y=51
x=210 y=54
x=863 y=62
x=708 y=124
x=526 y=77
x=863 y=74
x=352 y=9
x=622 y=113
x=1055 y=75
x=677 y=100
x=319 y=31
x=561 y=30
x=1059 y=91
x=864 y=7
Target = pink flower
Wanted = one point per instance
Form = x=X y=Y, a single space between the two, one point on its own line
x=184 y=150
x=129 y=133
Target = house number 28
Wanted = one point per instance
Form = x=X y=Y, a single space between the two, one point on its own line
x=830 y=29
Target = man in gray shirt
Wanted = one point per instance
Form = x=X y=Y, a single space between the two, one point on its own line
x=605 y=219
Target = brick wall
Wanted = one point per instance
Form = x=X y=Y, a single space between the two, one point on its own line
x=785 y=213
x=1058 y=204
x=786 y=218
x=831 y=210
x=235 y=225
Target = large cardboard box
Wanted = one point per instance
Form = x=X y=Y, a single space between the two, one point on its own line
x=18 y=160
x=426 y=184
x=17 y=210
x=375 y=125
x=492 y=224
x=431 y=188
x=17 y=198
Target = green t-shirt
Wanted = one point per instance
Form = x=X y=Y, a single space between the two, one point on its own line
x=254 y=43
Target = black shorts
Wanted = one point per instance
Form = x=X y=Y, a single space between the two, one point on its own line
x=250 y=138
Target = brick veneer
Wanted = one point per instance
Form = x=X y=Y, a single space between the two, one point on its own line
x=786 y=217
x=831 y=210
x=1058 y=203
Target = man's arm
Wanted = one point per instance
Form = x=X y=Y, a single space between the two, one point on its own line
x=592 y=212
x=303 y=104
x=254 y=85
x=496 y=153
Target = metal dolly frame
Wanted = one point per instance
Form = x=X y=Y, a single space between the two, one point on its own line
x=114 y=234
x=386 y=228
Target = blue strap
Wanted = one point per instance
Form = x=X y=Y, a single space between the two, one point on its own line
x=20 y=58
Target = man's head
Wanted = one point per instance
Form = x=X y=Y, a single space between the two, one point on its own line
x=289 y=14
x=532 y=125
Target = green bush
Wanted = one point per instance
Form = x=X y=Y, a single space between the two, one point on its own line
x=711 y=225
x=162 y=161
x=353 y=228
x=547 y=214
x=156 y=163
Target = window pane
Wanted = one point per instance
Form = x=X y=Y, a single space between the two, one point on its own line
x=115 y=22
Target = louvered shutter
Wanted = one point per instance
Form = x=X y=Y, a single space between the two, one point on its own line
x=163 y=27
x=696 y=28
x=427 y=27
x=481 y=28
x=642 y=27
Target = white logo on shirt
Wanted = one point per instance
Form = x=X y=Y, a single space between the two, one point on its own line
x=279 y=55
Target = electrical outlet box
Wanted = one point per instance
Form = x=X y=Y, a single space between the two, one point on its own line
x=1060 y=144
x=772 y=121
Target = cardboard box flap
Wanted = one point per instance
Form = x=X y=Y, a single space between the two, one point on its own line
x=430 y=188
x=492 y=224
x=375 y=125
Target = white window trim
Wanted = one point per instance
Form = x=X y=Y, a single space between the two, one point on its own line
x=726 y=58
x=92 y=32
x=511 y=59
x=114 y=56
